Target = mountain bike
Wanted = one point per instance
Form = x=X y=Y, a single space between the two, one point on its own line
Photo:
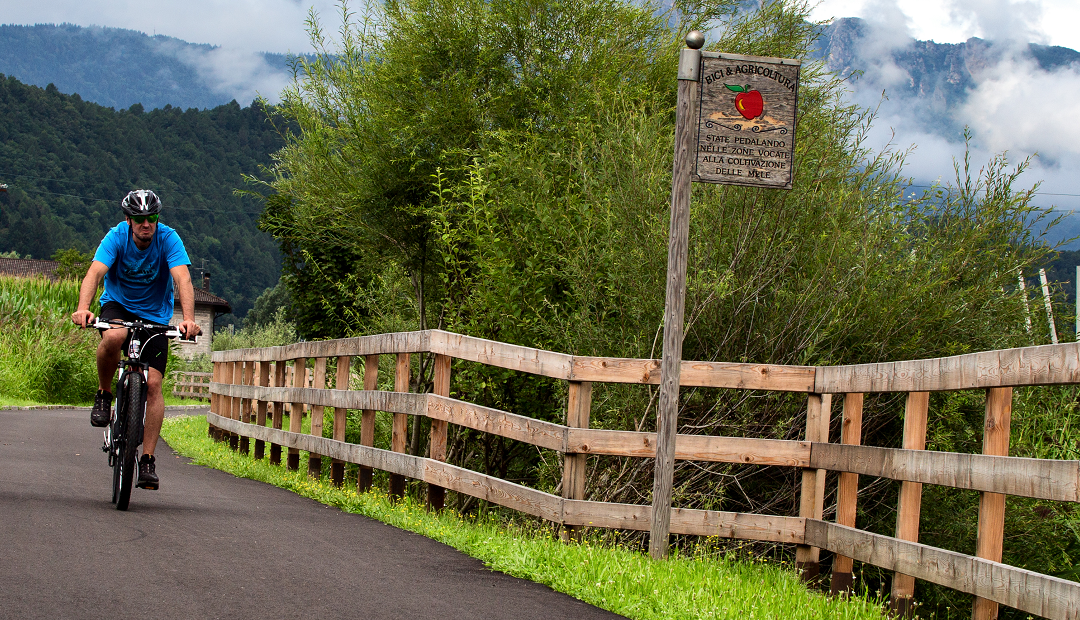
x=125 y=431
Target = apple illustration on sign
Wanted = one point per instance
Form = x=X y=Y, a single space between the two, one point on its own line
x=748 y=102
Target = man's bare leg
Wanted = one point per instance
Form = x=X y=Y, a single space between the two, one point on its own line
x=155 y=411
x=108 y=357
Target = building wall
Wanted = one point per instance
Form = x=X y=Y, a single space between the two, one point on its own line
x=204 y=316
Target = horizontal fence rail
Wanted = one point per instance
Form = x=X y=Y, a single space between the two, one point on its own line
x=1053 y=364
x=237 y=387
x=1018 y=588
x=191 y=384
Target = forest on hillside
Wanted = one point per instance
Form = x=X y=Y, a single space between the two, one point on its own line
x=68 y=162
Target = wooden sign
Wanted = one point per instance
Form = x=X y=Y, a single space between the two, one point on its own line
x=746 y=127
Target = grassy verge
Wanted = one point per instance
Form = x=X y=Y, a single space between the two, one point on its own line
x=623 y=581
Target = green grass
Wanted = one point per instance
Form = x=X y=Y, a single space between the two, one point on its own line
x=620 y=580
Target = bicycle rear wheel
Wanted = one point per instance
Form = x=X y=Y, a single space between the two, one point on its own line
x=134 y=404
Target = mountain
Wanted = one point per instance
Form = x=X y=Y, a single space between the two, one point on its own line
x=68 y=162
x=119 y=68
x=939 y=76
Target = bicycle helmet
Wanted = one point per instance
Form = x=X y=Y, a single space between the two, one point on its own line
x=141 y=202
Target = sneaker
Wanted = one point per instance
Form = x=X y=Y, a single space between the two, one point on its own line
x=147 y=475
x=102 y=411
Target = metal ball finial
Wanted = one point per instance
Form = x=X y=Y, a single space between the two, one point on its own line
x=695 y=39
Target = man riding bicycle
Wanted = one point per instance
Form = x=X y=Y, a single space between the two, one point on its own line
x=140 y=261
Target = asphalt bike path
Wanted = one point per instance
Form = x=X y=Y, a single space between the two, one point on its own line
x=209 y=545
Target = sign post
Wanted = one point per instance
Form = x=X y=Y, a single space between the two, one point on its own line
x=735 y=124
x=686 y=120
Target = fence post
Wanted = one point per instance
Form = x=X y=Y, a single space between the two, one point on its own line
x=909 y=504
x=279 y=411
x=215 y=400
x=341 y=382
x=847 y=492
x=245 y=407
x=578 y=408
x=237 y=377
x=812 y=492
x=367 y=420
x=260 y=408
x=318 y=381
x=296 y=413
x=437 y=449
x=400 y=430
x=992 y=505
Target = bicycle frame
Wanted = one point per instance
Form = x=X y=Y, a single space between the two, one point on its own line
x=123 y=434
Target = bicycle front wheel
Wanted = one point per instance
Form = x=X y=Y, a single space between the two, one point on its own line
x=134 y=405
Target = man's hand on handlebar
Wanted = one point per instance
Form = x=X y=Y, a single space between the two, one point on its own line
x=82 y=318
x=189 y=329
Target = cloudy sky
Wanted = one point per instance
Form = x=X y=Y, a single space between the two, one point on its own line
x=1014 y=106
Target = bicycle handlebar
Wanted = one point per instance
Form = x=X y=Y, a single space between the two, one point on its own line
x=169 y=331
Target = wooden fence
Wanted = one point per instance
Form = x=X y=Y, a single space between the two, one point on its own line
x=191 y=384
x=249 y=389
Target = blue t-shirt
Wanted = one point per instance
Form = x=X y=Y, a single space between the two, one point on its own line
x=139 y=279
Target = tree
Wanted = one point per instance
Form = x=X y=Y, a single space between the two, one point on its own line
x=73 y=264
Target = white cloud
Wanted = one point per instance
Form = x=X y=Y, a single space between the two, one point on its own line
x=1018 y=106
x=999 y=20
x=1052 y=22
x=237 y=74
x=1013 y=106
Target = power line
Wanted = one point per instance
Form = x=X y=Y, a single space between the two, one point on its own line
x=110 y=201
x=1033 y=193
x=172 y=190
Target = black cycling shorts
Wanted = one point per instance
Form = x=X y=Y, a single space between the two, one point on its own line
x=156 y=351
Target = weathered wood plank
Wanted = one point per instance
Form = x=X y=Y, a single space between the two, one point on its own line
x=696 y=374
x=400 y=426
x=1010 y=475
x=578 y=411
x=501 y=355
x=367 y=420
x=246 y=405
x=296 y=413
x=812 y=489
x=496 y=422
x=399 y=342
x=847 y=491
x=746 y=450
x=318 y=382
x=279 y=411
x=495 y=490
x=215 y=399
x=1042 y=595
x=237 y=370
x=260 y=411
x=439 y=428
x=667 y=408
x=909 y=503
x=398 y=402
x=685 y=521
x=401 y=464
x=341 y=383
x=1043 y=365
x=991 y=532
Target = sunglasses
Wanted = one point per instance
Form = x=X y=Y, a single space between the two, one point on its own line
x=139 y=219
